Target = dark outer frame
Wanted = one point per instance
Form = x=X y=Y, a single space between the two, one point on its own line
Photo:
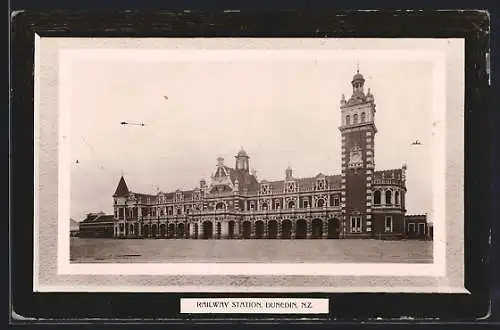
x=471 y=25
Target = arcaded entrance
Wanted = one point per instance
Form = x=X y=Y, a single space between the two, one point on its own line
x=272 y=229
x=301 y=229
x=286 y=229
x=171 y=231
x=230 y=230
x=247 y=229
x=180 y=230
x=317 y=229
x=207 y=230
x=145 y=230
x=163 y=230
x=259 y=229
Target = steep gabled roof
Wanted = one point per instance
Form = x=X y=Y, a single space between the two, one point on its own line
x=122 y=189
x=97 y=217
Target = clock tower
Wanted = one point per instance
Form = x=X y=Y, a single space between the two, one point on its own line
x=358 y=133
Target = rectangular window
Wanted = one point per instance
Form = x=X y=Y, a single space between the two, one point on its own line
x=388 y=224
x=277 y=206
x=116 y=214
x=355 y=224
x=411 y=227
x=305 y=203
x=336 y=201
x=252 y=207
x=120 y=213
x=421 y=228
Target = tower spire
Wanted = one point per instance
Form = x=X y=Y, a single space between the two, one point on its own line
x=357 y=66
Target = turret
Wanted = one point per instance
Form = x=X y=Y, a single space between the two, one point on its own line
x=288 y=173
x=242 y=163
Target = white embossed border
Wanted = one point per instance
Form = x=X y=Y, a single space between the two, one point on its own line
x=53 y=272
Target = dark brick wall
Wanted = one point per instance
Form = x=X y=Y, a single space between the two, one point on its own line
x=355 y=191
x=378 y=223
x=355 y=178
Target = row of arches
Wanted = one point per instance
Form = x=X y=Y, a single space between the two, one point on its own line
x=388 y=197
x=285 y=229
x=355 y=119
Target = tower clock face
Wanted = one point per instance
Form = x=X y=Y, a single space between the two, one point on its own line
x=355 y=157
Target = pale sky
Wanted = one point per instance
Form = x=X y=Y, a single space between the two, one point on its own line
x=281 y=112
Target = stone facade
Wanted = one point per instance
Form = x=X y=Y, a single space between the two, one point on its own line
x=360 y=202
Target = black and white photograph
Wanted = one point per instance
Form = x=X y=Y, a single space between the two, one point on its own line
x=307 y=157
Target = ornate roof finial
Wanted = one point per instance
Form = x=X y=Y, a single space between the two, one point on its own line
x=357 y=66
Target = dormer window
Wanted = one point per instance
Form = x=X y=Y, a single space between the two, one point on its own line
x=196 y=195
x=264 y=189
x=290 y=187
x=320 y=183
x=178 y=196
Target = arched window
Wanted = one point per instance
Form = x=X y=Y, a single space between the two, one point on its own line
x=264 y=206
x=291 y=204
x=348 y=120
x=320 y=202
x=363 y=117
x=396 y=197
x=220 y=206
x=355 y=119
x=376 y=197
x=179 y=211
x=388 y=195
